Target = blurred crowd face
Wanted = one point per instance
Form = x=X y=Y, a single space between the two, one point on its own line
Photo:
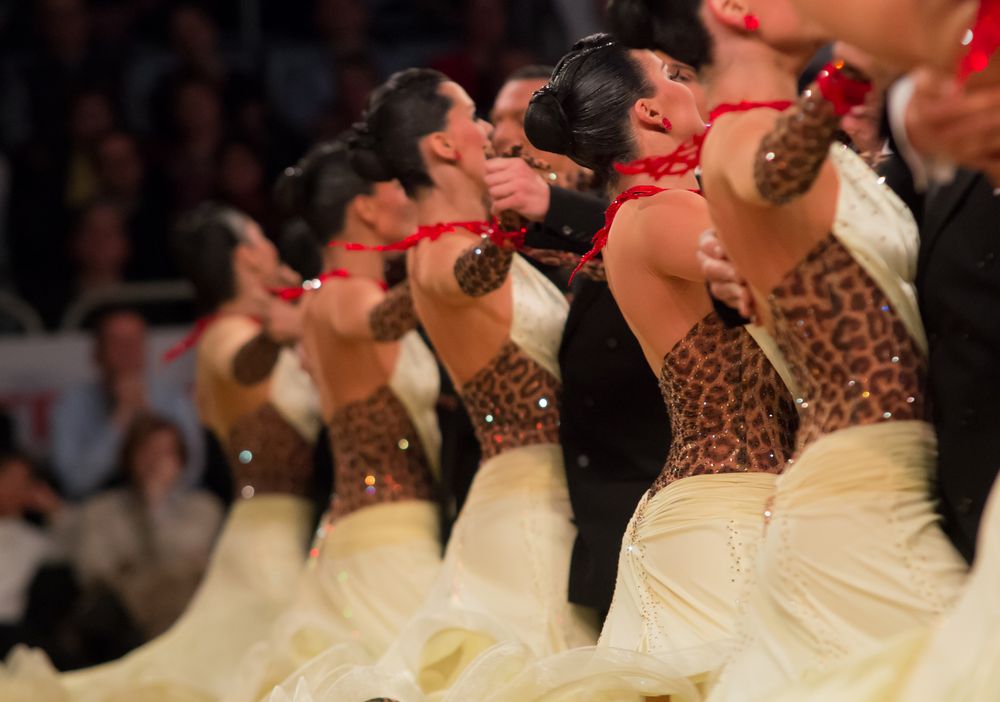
x=241 y=175
x=395 y=214
x=193 y=33
x=344 y=23
x=156 y=464
x=469 y=135
x=65 y=28
x=486 y=23
x=121 y=345
x=91 y=117
x=16 y=484
x=101 y=247
x=120 y=165
x=198 y=111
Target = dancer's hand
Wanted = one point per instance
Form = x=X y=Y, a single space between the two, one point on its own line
x=283 y=322
x=515 y=186
x=724 y=282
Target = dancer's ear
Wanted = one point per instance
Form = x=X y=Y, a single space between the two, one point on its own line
x=734 y=14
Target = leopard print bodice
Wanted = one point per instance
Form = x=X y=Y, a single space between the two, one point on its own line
x=852 y=357
x=729 y=409
x=378 y=455
x=268 y=455
x=513 y=401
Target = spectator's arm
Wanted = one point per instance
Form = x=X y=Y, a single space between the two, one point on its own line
x=571 y=222
x=84 y=450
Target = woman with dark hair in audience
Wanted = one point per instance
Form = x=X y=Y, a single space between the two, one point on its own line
x=689 y=546
x=254 y=395
x=496 y=324
x=378 y=549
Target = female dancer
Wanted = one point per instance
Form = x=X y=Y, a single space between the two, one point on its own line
x=268 y=430
x=496 y=324
x=689 y=547
x=852 y=554
x=378 y=549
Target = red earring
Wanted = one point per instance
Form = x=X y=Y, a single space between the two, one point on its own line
x=751 y=22
x=667 y=126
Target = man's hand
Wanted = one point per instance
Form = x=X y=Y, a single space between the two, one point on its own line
x=128 y=393
x=515 y=186
x=955 y=124
x=724 y=282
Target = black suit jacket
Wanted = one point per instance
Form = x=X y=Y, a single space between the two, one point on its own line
x=614 y=428
x=958 y=282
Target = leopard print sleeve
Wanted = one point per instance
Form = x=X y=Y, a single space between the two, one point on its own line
x=254 y=361
x=790 y=157
x=394 y=316
x=483 y=268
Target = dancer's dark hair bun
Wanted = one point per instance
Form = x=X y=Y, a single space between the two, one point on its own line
x=545 y=123
x=670 y=26
x=364 y=156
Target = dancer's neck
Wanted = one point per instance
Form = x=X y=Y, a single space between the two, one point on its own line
x=752 y=73
x=463 y=203
x=367 y=264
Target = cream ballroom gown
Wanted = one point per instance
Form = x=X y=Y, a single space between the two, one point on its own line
x=254 y=569
x=378 y=549
x=505 y=570
x=853 y=555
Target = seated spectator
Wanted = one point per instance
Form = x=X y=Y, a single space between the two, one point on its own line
x=100 y=247
x=125 y=181
x=192 y=152
x=24 y=547
x=90 y=420
x=149 y=542
x=242 y=184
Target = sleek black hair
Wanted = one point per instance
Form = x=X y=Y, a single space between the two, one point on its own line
x=401 y=111
x=536 y=71
x=203 y=244
x=583 y=112
x=670 y=26
x=321 y=186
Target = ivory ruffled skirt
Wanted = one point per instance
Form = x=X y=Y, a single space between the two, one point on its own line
x=682 y=573
x=503 y=579
x=852 y=557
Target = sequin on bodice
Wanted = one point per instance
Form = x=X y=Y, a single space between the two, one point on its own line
x=852 y=357
x=513 y=401
x=729 y=409
x=268 y=455
x=378 y=455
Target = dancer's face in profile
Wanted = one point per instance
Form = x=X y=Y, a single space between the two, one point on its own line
x=394 y=214
x=467 y=138
x=256 y=258
x=672 y=98
x=683 y=73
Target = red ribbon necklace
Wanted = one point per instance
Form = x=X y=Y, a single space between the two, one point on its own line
x=686 y=157
x=433 y=232
x=985 y=39
x=313 y=284
x=191 y=339
x=600 y=239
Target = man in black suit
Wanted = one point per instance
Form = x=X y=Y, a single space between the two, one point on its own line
x=614 y=432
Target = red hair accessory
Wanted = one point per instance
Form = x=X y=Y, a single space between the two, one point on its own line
x=751 y=22
x=841 y=89
x=985 y=39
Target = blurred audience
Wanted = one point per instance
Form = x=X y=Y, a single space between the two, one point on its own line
x=89 y=422
x=149 y=542
x=24 y=545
